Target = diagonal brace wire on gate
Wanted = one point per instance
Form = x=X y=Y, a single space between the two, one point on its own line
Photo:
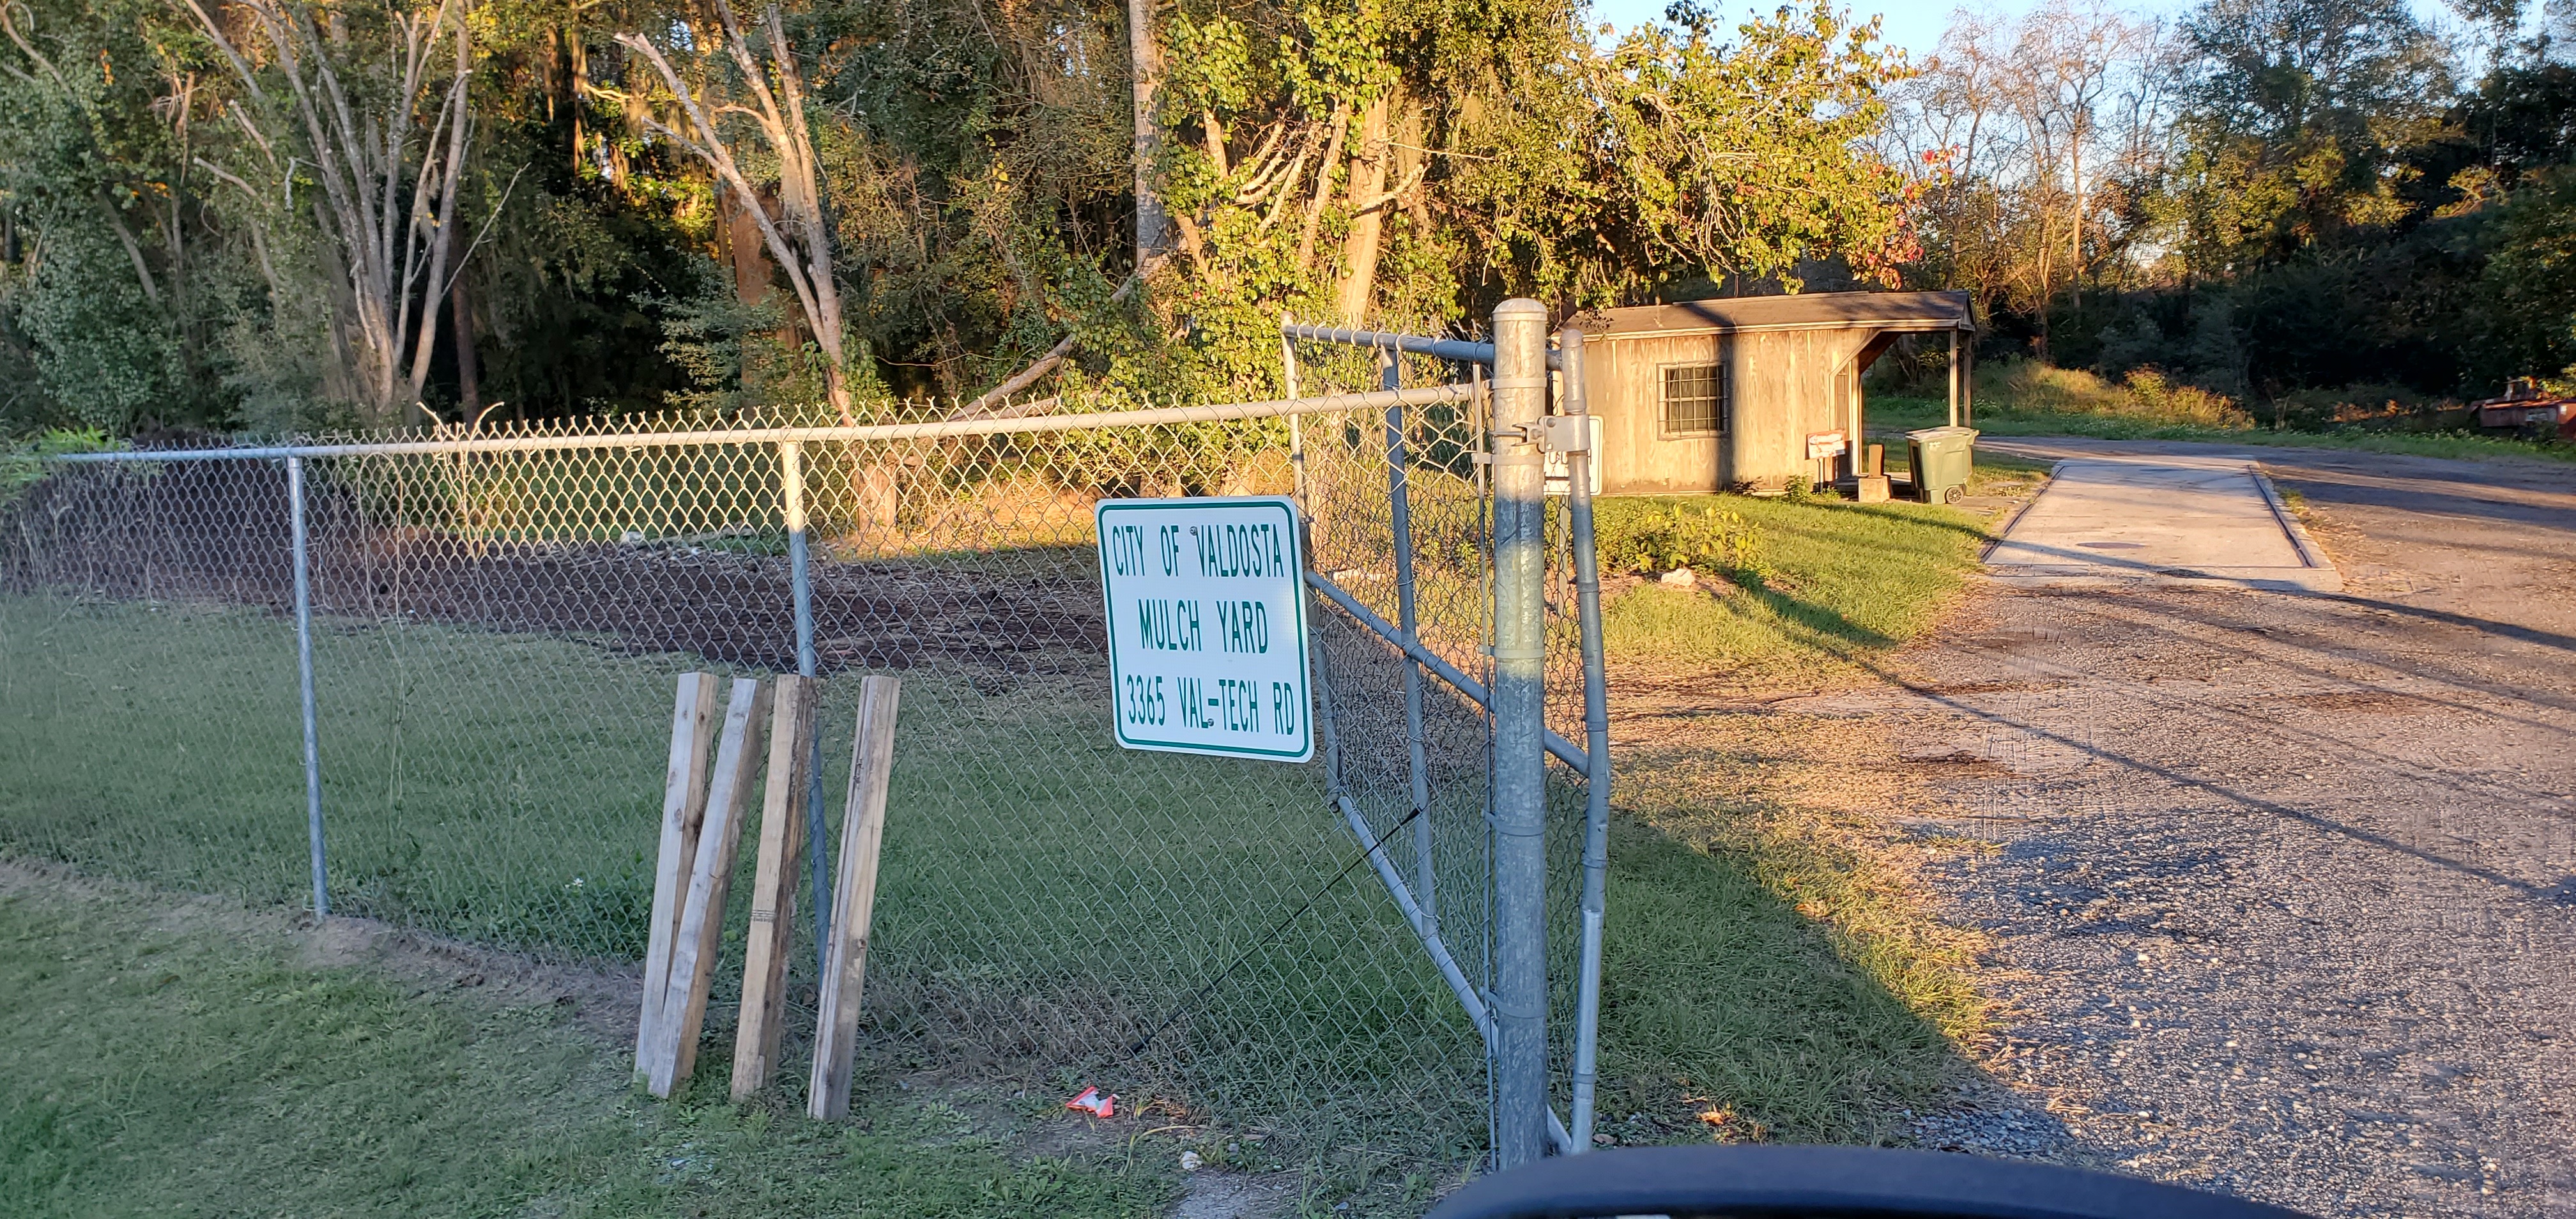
x=1274 y=933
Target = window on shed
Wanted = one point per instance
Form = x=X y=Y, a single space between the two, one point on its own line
x=1695 y=400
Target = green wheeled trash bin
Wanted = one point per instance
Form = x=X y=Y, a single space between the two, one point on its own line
x=1941 y=458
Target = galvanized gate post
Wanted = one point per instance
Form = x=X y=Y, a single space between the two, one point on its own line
x=818 y=850
x=1596 y=733
x=1520 y=761
x=304 y=682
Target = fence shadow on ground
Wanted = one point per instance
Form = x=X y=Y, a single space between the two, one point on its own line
x=1763 y=986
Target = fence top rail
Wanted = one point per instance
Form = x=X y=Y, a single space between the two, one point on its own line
x=1457 y=350
x=1224 y=412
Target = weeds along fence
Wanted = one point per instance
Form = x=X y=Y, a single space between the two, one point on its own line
x=427 y=679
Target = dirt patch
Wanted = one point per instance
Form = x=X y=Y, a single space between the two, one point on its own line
x=1958 y=762
x=1982 y=687
x=2007 y=642
x=1223 y=1195
x=212 y=533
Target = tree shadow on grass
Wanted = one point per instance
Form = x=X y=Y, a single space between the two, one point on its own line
x=1768 y=964
x=1660 y=632
x=1913 y=514
x=1822 y=621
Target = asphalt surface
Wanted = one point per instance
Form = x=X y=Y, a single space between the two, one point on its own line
x=2282 y=885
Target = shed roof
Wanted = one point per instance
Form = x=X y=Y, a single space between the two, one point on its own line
x=1805 y=311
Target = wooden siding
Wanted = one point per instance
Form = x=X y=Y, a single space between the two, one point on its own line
x=1783 y=385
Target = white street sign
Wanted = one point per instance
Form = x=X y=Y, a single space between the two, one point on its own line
x=1207 y=626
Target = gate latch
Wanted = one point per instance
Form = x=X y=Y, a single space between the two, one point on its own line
x=1557 y=433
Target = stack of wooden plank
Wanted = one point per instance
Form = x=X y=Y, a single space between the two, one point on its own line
x=706 y=789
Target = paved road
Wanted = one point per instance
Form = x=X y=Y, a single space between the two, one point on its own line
x=2284 y=885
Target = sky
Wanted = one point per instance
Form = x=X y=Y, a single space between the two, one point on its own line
x=1916 y=25
x=1913 y=26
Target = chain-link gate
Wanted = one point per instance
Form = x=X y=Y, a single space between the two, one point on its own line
x=427 y=678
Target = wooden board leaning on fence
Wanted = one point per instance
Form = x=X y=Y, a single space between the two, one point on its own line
x=703 y=809
x=773 y=891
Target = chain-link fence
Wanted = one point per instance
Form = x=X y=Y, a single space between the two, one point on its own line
x=1304 y=952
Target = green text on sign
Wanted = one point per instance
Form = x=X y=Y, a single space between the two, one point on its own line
x=1207 y=625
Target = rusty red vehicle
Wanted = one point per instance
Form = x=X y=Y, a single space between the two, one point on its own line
x=2529 y=409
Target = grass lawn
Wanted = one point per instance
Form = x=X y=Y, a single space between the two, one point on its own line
x=1773 y=973
x=1776 y=972
x=195 y=1059
x=1047 y=897
x=1837 y=581
x=2002 y=418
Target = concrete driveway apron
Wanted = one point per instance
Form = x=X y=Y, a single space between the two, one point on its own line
x=2167 y=519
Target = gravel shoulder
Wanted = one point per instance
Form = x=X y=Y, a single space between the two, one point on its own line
x=2280 y=888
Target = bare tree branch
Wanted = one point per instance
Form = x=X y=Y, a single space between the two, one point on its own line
x=799 y=241
x=1026 y=377
x=1323 y=185
x=988 y=405
x=133 y=251
x=388 y=245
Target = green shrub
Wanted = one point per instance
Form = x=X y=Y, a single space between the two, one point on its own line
x=2151 y=396
x=22 y=463
x=1650 y=539
x=2146 y=395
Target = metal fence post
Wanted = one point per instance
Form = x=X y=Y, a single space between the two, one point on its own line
x=1296 y=429
x=818 y=849
x=304 y=682
x=1596 y=736
x=1520 y=761
x=1416 y=756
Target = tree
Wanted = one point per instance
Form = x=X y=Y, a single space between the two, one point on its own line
x=1954 y=136
x=112 y=283
x=2532 y=279
x=2494 y=23
x=2068 y=57
x=945 y=194
x=799 y=241
x=1273 y=163
x=1741 y=160
x=385 y=128
x=1144 y=68
x=2297 y=115
x=2021 y=127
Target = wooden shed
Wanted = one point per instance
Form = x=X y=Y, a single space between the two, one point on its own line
x=1748 y=393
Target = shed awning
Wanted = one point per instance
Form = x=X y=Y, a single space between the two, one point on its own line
x=1885 y=311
